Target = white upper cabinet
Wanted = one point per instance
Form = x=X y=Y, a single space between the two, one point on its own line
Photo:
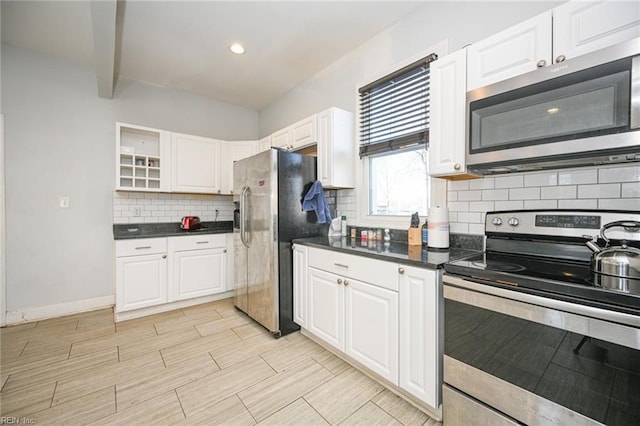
x=296 y=136
x=336 y=148
x=582 y=27
x=447 y=126
x=195 y=164
x=142 y=158
x=264 y=144
x=514 y=51
x=234 y=151
x=572 y=29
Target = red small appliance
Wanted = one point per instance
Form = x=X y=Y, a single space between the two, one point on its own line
x=190 y=223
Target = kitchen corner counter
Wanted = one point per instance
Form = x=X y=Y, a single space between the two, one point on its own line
x=394 y=251
x=172 y=229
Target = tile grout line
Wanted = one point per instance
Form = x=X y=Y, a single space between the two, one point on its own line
x=53 y=397
x=180 y=402
x=237 y=395
x=314 y=409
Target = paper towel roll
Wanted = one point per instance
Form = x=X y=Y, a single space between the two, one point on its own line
x=438 y=227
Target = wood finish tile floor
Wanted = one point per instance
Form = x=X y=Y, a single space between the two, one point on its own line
x=207 y=364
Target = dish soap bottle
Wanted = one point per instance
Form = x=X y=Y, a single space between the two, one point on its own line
x=425 y=232
x=343 y=228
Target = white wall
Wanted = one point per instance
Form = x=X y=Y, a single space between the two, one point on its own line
x=60 y=140
x=461 y=23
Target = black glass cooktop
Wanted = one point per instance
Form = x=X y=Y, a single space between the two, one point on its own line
x=550 y=277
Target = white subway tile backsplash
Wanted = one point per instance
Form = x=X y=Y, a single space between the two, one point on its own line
x=495 y=194
x=631 y=190
x=469 y=217
x=458 y=206
x=510 y=181
x=577 y=204
x=458 y=185
x=619 y=204
x=619 y=174
x=459 y=228
x=509 y=205
x=481 y=206
x=485 y=183
x=575 y=177
x=608 y=190
x=540 y=204
x=524 y=194
x=541 y=179
x=452 y=196
x=558 y=192
x=476 y=228
x=135 y=207
x=470 y=195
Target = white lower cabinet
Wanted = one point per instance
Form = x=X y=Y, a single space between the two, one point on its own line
x=383 y=315
x=300 y=284
x=156 y=271
x=420 y=351
x=371 y=327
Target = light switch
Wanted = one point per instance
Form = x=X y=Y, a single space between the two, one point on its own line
x=64 y=202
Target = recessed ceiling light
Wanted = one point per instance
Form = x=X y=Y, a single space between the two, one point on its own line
x=553 y=110
x=237 y=48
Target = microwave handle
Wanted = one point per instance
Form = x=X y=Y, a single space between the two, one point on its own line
x=635 y=93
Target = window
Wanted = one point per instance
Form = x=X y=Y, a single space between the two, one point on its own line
x=394 y=135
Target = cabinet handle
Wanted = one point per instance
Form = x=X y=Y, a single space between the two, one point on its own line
x=560 y=58
x=401 y=271
x=457 y=166
x=346 y=282
x=143 y=248
x=224 y=251
x=339 y=280
x=541 y=63
x=231 y=192
x=340 y=265
x=219 y=191
x=202 y=242
x=164 y=256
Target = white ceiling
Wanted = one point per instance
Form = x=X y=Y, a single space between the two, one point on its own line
x=184 y=44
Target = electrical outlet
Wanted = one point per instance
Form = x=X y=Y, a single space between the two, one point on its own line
x=64 y=202
x=137 y=212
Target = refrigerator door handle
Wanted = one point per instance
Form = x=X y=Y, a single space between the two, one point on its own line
x=243 y=218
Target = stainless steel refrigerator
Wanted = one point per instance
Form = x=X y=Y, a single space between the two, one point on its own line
x=269 y=187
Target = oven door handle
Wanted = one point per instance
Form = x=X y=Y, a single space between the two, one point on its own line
x=585 y=320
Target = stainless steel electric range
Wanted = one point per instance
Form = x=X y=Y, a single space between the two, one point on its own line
x=530 y=336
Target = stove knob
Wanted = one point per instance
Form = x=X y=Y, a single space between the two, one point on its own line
x=497 y=221
x=514 y=221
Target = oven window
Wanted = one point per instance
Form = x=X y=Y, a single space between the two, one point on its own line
x=586 y=103
x=598 y=379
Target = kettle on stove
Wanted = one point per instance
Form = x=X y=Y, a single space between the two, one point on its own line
x=618 y=267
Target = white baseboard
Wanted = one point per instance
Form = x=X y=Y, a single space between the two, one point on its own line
x=50 y=311
x=143 y=312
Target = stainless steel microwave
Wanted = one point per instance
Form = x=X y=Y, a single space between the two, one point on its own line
x=583 y=111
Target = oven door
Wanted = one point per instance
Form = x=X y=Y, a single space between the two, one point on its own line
x=514 y=356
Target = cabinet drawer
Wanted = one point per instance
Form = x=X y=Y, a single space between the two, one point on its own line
x=372 y=271
x=197 y=242
x=141 y=246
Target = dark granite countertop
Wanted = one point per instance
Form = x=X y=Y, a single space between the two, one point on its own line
x=172 y=229
x=394 y=252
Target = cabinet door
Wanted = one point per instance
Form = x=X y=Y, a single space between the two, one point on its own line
x=371 y=323
x=282 y=139
x=264 y=144
x=195 y=164
x=506 y=54
x=336 y=149
x=141 y=281
x=447 y=128
x=299 y=284
x=419 y=324
x=582 y=27
x=325 y=317
x=234 y=151
x=303 y=133
x=198 y=273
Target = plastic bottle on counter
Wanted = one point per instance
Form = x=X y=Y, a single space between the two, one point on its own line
x=425 y=233
x=344 y=225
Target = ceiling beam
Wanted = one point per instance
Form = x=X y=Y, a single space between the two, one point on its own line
x=103 y=25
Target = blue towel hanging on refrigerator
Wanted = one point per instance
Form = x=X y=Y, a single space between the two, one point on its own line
x=314 y=200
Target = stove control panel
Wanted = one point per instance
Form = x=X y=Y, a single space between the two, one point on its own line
x=563 y=223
